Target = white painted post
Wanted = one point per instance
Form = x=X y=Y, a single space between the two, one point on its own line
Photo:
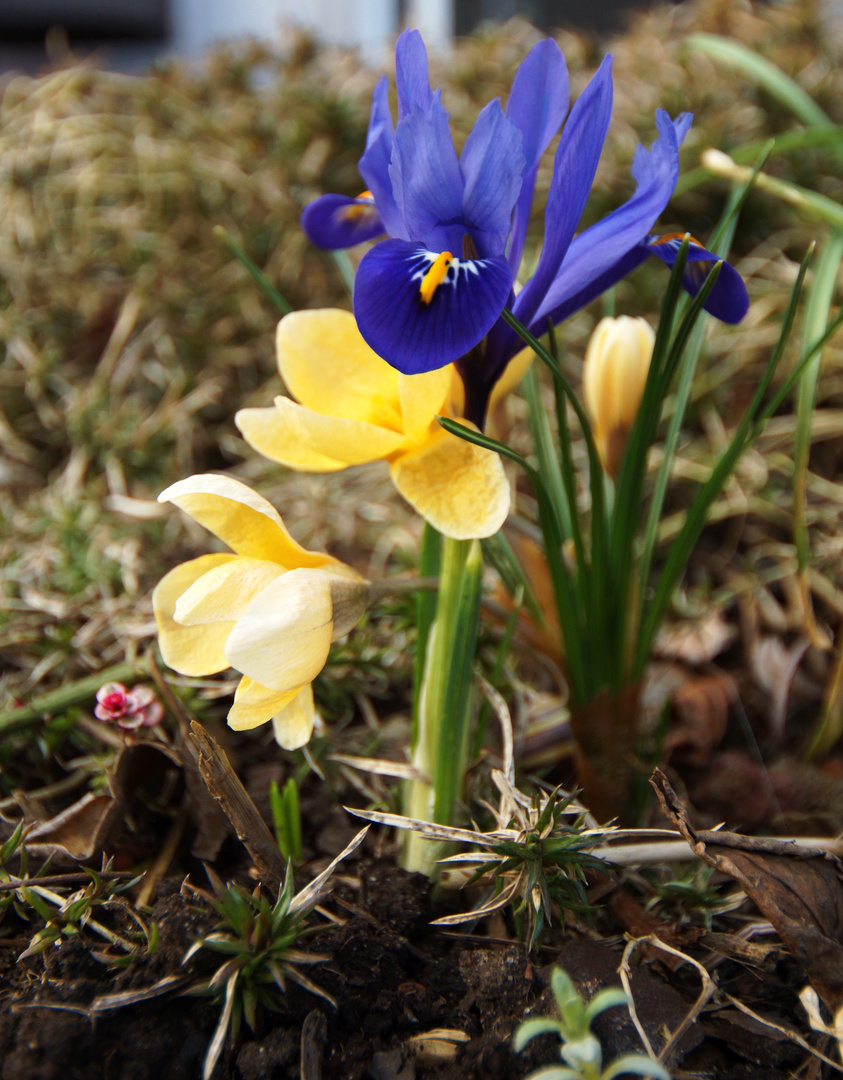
x=435 y=20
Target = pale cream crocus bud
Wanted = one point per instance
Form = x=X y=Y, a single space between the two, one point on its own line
x=617 y=361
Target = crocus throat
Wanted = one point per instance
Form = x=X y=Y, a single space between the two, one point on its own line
x=434 y=277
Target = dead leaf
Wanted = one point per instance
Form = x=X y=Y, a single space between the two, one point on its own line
x=76 y=833
x=82 y=830
x=773 y=666
x=699 y=717
x=799 y=892
x=696 y=641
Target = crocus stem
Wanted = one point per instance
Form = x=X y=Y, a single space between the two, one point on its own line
x=443 y=713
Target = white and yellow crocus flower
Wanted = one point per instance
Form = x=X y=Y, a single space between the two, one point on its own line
x=269 y=608
x=351 y=407
x=617 y=361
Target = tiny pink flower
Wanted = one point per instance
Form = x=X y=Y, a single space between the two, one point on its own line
x=130 y=709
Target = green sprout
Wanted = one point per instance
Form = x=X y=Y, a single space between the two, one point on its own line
x=286 y=818
x=544 y=862
x=690 y=891
x=260 y=939
x=71 y=916
x=14 y=844
x=533 y=860
x=580 y=1049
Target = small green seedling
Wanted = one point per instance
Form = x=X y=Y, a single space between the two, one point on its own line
x=286 y=818
x=67 y=916
x=260 y=940
x=580 y=1049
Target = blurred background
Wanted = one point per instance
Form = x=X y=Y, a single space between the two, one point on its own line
x=130 y=35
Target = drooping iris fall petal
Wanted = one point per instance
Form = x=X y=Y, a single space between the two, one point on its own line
x=337 y=221
x=419 y=331
x=728 y=300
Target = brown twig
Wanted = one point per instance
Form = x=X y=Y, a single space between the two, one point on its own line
x=225 y=786
x=64 y=879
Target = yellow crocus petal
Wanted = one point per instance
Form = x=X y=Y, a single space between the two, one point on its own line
x=423 y=397
x=284 y=636
x=240 y=518
x=224 y=593
x=328 y=367
x=267 y=433
x=353 y=442
x=617 y=361
x=460 y=488
x=255 y=704
x=294 y=724
x=512 y=375
x=192 y=650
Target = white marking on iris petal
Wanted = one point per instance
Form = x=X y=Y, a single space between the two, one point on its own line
x=456 y=268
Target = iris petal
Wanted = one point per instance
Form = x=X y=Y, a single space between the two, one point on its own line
x=426 y=178
x=411 y=77
x=374 y=164
x=537 y=106
x=598 y=249
x=728 y=300
x=573 y=174
x=491 y=162
x=414 y=336
x=337 y=221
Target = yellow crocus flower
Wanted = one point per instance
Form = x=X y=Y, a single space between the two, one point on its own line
x=617 y=360
x=351 y=407
x=270 y=608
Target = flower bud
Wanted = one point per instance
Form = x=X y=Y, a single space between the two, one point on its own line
x=617 y=361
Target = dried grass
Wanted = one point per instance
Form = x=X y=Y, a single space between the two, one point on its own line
x=128 y=337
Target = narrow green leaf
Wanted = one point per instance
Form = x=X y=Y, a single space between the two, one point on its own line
x=430 y=556
x=788 y=93
x=569 y=614
x=816 y=320
x=257 y=275
x=697 y=513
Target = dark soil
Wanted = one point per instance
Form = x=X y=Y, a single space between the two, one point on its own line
x=393 y=977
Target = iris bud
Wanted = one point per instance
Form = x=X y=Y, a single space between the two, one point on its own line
x=617 y=361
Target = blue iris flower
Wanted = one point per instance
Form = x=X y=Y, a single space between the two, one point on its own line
x=432 y=292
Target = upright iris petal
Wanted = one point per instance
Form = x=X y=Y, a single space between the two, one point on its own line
x=537 y=106
x=491 y=165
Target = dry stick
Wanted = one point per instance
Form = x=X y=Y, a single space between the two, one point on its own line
x=792 y=1035
x=313 y=1034
x=65 y=879
x=60 y=787
x=183 y=717
x=225 y=786
x=708 y=989
x=164 y=858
